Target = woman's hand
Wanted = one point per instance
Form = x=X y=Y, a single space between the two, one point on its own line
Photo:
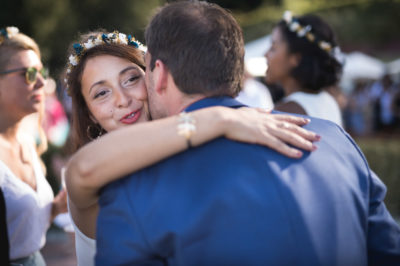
x=276 y=131
x=59 y=204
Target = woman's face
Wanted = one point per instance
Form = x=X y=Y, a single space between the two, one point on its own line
x=17 y=97
x=279 y=60
x=115 y=92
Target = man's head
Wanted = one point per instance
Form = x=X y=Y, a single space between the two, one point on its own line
x=199 y=45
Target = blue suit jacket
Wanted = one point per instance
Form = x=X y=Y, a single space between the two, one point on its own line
x=230 y=203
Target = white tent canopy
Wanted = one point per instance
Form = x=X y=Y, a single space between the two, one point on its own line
x=254 y=58
x=394 y=67
x=257 y=48
x=360 y=66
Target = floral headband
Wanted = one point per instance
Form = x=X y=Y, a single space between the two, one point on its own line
x=305 y=31
x=7 y=33
x=95 y=40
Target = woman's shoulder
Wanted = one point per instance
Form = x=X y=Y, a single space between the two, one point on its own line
x=290 y=107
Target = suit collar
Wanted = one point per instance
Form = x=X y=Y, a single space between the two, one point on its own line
x=214 y=101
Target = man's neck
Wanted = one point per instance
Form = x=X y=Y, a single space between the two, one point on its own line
x=184 y=102
x=191 y=101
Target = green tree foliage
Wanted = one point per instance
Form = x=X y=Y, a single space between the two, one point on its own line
x=55 y=24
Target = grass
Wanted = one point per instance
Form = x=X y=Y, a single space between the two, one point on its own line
x=383 y=155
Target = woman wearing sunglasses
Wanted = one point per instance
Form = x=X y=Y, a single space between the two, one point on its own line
x=30 y=202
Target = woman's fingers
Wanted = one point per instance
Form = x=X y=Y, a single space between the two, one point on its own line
x=281 y=147
x=293 y=135
x=301 y=121
x=309 y=135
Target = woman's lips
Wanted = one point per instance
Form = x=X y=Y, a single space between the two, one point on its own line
x=37 y=97
x=131 y=117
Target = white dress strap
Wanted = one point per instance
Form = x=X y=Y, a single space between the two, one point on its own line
x=85 y=246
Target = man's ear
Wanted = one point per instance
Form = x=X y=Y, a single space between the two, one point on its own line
x=160 y=73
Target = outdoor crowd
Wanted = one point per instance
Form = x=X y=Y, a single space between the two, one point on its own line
x=374 y=108
x=169 y=160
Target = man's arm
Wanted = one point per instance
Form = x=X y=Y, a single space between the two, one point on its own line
x=383 y=231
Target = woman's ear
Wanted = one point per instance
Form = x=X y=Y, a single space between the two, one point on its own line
x=294 y=59
x=94 y=120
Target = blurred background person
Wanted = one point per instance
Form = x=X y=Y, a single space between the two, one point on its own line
x=56 y=124
x=359 y=111
x=304 y=59
x=29 y=199
x=255 y=93
x=382 y=94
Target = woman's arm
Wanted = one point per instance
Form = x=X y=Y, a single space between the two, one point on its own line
x=126 y=150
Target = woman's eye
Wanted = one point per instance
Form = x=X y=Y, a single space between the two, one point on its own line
x=131 y=80
x=99 y=94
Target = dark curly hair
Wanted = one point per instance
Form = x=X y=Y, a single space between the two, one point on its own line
x=317 y=68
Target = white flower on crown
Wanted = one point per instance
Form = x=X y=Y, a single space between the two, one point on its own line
x=303 y=31
x=325 y=45
x=294 y=26
x=339 y=56
x=98 y=41
x=142 y=48
x=122 y=38
x=73 y=60
x=12 y=30
x=287 y=16
x=89 y=44
x=68 y=70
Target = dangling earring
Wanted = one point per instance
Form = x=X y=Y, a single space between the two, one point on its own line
x=94 y=131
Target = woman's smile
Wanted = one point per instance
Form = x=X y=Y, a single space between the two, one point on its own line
x=131 y=117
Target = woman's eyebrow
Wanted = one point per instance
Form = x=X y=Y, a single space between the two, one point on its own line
x=127 y=69
x=97 y=83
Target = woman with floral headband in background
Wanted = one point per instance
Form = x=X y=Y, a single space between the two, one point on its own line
x=305 y=60
x=29 y=200
x=105 y=79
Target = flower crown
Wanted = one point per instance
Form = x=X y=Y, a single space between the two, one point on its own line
x=305 y=31
x=95 y=40
x=7 y=33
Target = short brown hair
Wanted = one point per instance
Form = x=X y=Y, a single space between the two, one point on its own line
x=202 y=46
x=82 y=124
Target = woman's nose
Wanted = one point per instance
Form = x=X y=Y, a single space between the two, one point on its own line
x=122 y=99
x=266 y=55
x=40 y=82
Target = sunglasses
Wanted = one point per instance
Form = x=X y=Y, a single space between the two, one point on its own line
x=30 y=73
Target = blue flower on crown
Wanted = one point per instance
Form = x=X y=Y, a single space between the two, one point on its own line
x=132 y=42
x=78 y=48
x=4 y=33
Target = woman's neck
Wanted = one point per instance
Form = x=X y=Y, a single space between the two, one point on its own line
x=290 y=86
x=9 y=129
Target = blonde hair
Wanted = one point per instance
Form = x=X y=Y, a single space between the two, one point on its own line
x=8 y=47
